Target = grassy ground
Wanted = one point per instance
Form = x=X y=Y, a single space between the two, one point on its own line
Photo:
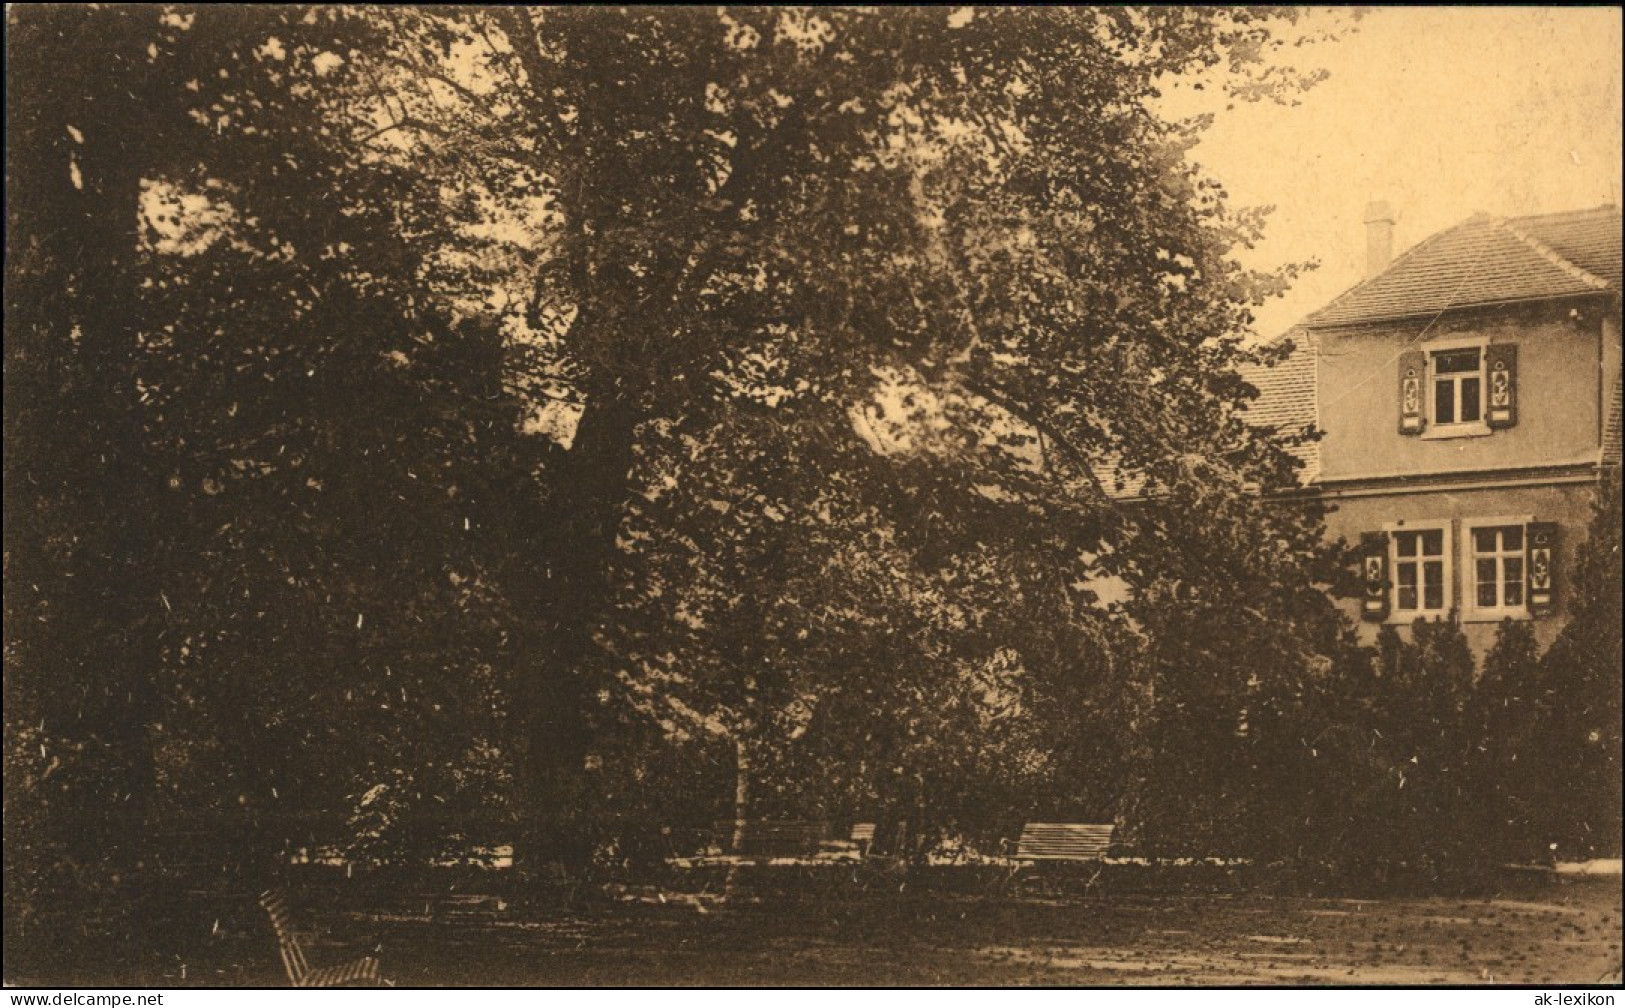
x=1562 y=932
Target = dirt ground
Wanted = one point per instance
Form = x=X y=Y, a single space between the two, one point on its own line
x=1564 y=933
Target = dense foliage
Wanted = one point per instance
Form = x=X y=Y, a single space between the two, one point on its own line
x=1578 y=731
x=432 y=427
x=259 y=470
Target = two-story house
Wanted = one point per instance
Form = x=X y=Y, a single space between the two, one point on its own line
x=1469 y=394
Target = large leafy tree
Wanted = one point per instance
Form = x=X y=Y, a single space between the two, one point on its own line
x=267 y=260
x=980 y=203
x=263 y=460
x=81 y=622
x=335 y=423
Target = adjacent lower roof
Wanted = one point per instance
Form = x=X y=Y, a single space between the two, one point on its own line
x=1489 y=260
x=1286 y=400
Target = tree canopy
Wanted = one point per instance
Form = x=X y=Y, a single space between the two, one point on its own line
x=420 y=407
x=970 y=227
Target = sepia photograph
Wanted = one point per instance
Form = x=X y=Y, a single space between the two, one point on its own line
x=769 y=497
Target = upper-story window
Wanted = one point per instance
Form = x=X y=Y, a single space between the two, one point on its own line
x=1458 y=386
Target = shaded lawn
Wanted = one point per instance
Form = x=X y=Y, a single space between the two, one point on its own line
x=1563 y=933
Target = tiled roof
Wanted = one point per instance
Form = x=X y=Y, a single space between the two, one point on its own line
x=1610 y=430
x=1589 y=239
x=1286 y=400
x=1489 y=260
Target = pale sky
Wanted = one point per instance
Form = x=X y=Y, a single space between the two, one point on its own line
x=1442 y=112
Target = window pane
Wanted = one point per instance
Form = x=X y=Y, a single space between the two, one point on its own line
x=1455 y=361
x=1514 y=592
x=1469 y=399
x=1444 y=402
x=1406 y=574
x=1406 y=543
x=1513 y=569
x=1486 y=594
x=1485 y=567
x=1407 y=597
x=1433 y=542
x=1484 y=540
x=1433 y=585
x=1512 y=537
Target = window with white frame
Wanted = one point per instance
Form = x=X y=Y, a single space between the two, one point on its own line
x=1484 y=568
x=1458 y=386
x=1421 y=566
x=1499 y=568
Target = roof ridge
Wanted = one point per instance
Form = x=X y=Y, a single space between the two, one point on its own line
x=1392 y=265
x=1579 y=273
x=1580 y=212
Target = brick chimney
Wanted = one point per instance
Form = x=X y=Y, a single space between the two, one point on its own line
x=1379 y=237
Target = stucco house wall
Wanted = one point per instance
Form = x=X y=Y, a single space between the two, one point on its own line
x=1560 y=353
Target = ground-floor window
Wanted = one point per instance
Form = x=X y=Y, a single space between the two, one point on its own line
x=1498 y=566
x=1420 y=566
x=1483 y=569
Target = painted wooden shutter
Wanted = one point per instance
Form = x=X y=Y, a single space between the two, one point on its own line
x=1542 y=568
x=1374 y=573
x=1501 y=379
x=1413 y=366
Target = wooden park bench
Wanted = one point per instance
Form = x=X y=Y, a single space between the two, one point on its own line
x=775 y=837
x=1064 y=841
x=363 y=970
x=1080 y=843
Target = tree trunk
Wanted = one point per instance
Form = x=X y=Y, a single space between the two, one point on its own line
x=571 y=591
x=741 y=795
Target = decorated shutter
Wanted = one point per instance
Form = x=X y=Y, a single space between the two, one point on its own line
x=1412 y=388
x=1374 y=574
x=1542 y=567
x=1501 y=377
